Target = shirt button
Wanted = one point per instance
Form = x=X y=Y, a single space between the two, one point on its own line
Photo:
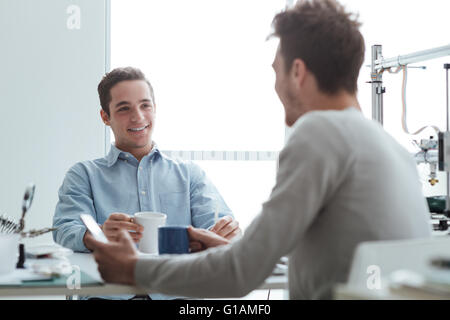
x=143 y=192
x=127 y=155
x=140 y=168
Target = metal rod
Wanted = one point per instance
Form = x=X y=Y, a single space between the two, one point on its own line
x=412 y=58
x=447 y=66
x=447 y=202
x=377 y=85
x=409 y=67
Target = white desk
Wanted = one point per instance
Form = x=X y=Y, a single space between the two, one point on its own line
x=389 y=256
x=87 y=264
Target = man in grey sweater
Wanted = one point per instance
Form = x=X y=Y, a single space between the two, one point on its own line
x=342 y=180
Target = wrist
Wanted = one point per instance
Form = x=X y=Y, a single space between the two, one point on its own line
x=86 y=234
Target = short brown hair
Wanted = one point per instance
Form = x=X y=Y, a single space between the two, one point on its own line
x=326 y=38
x=114 y=77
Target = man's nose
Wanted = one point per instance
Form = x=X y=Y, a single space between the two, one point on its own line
x=137 y=115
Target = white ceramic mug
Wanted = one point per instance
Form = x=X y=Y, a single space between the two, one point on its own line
x=150 y=221
x=9 y=251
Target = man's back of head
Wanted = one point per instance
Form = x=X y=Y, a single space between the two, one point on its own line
x=326 y=38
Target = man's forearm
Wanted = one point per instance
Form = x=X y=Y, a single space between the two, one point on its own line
x=71 y=235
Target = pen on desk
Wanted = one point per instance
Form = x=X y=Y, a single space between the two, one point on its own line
x=441 y=263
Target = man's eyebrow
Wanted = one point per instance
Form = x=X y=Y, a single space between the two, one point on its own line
x=121 y=103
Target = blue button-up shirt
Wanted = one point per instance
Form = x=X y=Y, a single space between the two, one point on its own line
x=120 y=183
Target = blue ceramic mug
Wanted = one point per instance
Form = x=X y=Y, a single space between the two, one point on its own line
x=173 y=240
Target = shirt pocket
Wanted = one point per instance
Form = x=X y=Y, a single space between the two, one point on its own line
x=176 y=206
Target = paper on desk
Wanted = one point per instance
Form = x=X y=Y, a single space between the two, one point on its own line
x=19 y=275
x=50 y=266
x=51 y=250
x=429 y=284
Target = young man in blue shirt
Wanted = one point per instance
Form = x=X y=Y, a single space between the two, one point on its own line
x=135 y=176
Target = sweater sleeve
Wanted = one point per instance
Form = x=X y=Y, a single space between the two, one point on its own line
x=311 y=168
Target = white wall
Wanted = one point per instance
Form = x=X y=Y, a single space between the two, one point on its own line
x=48 y=98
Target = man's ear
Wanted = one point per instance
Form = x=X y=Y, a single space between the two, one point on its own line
x=298 y=71
x=105 y=117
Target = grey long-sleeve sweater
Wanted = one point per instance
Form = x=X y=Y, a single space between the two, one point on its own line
x=341 y=180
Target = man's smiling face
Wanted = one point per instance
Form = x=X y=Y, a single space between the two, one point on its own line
x=132 y=116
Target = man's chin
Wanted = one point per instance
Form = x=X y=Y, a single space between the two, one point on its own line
x=138 y=145
x=141 y=145
x=289 y=122
x=291 y=119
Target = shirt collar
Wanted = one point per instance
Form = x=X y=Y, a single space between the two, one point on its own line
x=114 y=153
x=300 y=119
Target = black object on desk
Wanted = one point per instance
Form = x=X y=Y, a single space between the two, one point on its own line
x=436 y=204
x=441 y=263
x=21 y=262
x=443 y=225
